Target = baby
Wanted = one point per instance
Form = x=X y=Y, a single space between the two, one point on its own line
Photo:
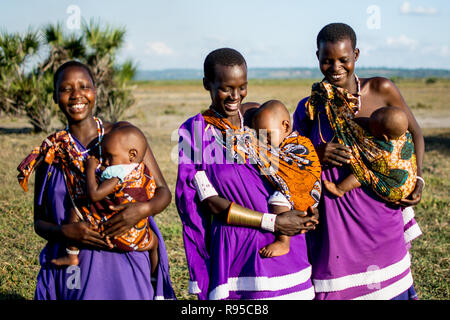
x=385 y=124
x=274 y=118
x=125 y=179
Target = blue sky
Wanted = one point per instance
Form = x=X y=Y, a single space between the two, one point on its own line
x=165 y=34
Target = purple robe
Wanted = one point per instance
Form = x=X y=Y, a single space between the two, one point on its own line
x=358 y=250
x=100 y=275
x=223 y=260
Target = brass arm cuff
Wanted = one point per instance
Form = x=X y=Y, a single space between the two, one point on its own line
x=240 y=216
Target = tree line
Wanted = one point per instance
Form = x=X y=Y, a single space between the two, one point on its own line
x=28 y=61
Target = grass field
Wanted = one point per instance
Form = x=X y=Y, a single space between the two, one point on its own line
x=160 y=109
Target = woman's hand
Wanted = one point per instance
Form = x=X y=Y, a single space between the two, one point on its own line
x=130 y=214
x=294 y=222
x=415 y=197
x=335 y=154
x=82 y=232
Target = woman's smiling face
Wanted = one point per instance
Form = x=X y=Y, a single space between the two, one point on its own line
x=337 y=62
x=75 y=93
x=228 y=89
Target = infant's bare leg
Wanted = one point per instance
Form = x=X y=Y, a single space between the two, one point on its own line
x=281 y=244
x=69 y=259
x=349 y=183
x=152 y=249
x=277 y=248
x=153 y=252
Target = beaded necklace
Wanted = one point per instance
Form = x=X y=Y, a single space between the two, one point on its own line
x=100 y=134
x=358 y=94
x=241 y=118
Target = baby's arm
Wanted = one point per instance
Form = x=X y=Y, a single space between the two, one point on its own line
x=349 y=183
x=277 y=209
x=97 y=192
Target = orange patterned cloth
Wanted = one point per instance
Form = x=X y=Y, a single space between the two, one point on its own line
x=58 y=149
x=138 y=185
x=294 y=168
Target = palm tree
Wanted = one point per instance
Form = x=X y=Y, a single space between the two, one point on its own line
x=103 y=44
x=30 y=92
x=15 y=52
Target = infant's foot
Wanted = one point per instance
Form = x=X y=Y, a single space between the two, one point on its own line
x=69 y=260
x=332 y=188
x=275 y=249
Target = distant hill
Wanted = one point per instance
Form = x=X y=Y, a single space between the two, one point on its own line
x=291 y=73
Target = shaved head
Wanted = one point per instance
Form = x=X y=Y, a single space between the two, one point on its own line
x=274 y=117
x=389 y=121
x=126 y=137
x=273 y=109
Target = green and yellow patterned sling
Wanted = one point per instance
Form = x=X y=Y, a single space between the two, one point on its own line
x=388 y=168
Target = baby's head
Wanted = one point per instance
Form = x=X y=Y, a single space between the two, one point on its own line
x=124 y=144
x=388 y=123
x=274 y=117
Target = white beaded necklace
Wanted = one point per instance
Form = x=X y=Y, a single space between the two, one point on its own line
x=358 y=93
x=100 y=134
x=241 y=118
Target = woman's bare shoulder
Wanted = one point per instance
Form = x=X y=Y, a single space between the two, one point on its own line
x=379 y=85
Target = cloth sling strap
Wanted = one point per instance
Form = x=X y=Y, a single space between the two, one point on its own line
x=388 y=168
x=293 y=169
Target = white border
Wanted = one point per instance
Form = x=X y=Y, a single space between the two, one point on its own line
x=193 y=287
x=407 y=214
x=412 y=232
x=390 y=291
x=260 y=284
x=307 y=294
x=363 y=278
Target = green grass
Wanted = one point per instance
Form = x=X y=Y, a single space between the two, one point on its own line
x=430 y=252
x=159 y=111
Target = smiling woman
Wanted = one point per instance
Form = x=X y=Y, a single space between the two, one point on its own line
x=222 y=200
x=60 y=187
x=75 y=93
x=359 y=250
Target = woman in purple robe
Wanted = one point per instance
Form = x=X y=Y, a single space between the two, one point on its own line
x=223 y=257
x=358 y=250
x=102 y=273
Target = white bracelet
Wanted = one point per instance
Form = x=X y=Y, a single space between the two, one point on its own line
x=421 y=179
x=72 y=252
x=203 y=186
x=268 y=221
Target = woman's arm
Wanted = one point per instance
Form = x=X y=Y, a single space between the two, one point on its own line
x=131 y=213
x=79 y=232
x=288 y=223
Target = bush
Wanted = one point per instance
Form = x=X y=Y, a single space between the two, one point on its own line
x=430 y=80
x=29 y=93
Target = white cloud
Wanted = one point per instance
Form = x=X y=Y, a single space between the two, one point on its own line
x=158 y=48
x=367 y=48
x=407 y=8
x=436 y=50
x=444 y=51
x=402 y=42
